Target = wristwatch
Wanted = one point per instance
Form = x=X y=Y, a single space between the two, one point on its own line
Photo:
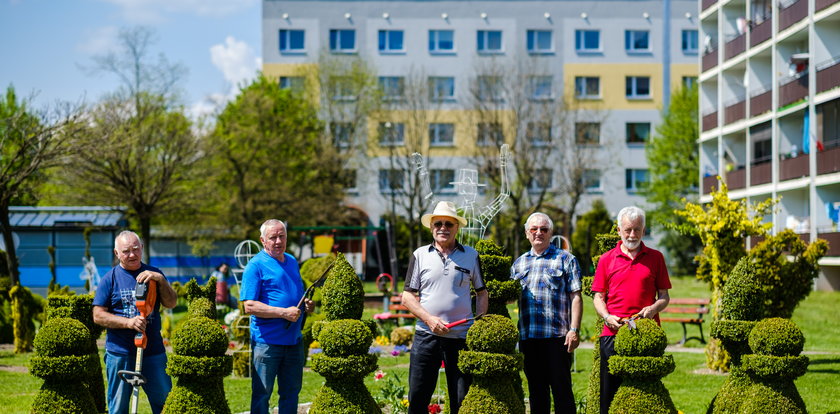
x=575 y=330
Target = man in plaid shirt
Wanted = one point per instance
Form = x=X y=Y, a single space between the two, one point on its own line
x=550 y=309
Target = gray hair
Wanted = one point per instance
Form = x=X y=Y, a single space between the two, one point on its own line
x=270 y=223
x=542 y=216
x=631 y=213
x=127 y=233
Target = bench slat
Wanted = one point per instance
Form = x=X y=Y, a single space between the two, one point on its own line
x=686 y=310
x=682 y=320
x=688 y=301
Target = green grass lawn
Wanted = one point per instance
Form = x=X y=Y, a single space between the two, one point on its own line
x=691 y=386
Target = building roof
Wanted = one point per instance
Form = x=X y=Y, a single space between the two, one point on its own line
x=62 y=216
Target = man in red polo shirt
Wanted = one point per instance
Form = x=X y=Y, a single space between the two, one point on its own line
x=630 y=279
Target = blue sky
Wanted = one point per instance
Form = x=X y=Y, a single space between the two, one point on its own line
x=47 y=43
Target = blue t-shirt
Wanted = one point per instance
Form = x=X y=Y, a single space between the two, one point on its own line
x=278 y=284
x=116 y=293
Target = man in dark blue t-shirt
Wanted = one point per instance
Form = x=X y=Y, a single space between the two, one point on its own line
x=114 y=308
x=271 y=289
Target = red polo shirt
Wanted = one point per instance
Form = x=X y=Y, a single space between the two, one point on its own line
x=630 y=284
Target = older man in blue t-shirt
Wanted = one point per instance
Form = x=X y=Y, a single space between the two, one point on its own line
x=114 y=308
x=271 y=289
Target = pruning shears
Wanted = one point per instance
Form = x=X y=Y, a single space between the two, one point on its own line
x=630 y=321
x=311 y=290
x=463 y=321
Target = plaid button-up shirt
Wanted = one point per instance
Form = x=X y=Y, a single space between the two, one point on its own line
x=547 y=282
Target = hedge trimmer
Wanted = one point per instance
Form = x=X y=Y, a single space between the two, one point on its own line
x=311 y=290
x=463 y=321
x=631 y=320
x=145 y=296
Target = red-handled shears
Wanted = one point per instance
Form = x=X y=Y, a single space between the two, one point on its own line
x=630 y=320
x=463 y=321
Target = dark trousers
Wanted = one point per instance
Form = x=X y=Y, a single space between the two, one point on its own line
x=547 y=367
x=609 y=382
x=427 y=352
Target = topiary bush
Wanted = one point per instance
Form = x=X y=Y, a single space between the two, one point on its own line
x=605 y=242
x=495 y=271
x=199 y=363
x=401 y=336
x=778 y=337
x=641 y=365
x=492 y=360
x=345 y=340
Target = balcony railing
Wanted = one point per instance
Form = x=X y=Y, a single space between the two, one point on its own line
x=761 y=173
x=792 y=168
x=735 y=47
x=833 y=239
x=736 y=179
x=793 y=88
x=710 y=59
x=761 y=102
x=792 y=14
x=710 y=121
x=828 y=161
x=822 y=4
x=761 y=32
x=735 y=111
x=706 y=4
x=709 y=183
x=828 y=75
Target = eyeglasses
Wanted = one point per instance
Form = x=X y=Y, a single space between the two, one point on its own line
x=534 y=230
x=448 y=224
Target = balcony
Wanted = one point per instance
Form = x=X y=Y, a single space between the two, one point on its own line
x=792 y=168
x=735 y=47
x=710 y=121
x=761 y=102
x=833 y=239
x=736 y=179
x=761 y=173
x=735 y=111
x=828 y=161
x=710 y=59
x=705 y=4
x=828 y=75
x=709 y=184
x=793 y=88
x=792 y=13
x=761 y=32
x=823 y=4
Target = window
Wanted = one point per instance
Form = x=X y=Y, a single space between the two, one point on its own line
x=442 y=181
x=592 y=181
x=762 y=151
x=540 y=181
x=539 y=41
x=391 y=134
x=538 y=134
x=441 y=41
x=587 y=87
x=588 y=40
x=291 y=41
x=391 y=181
x=637 y=40
x=441 y=134
x=342 y=133
x=489 y=88
x=490 y=133
x=689 y=81
x=635 y=179
x=637 y=87
x=348 y=180
x=441 y=88
x=341 y=88
x=588 y=133
x=540 y=87
x=689 y=41
x=293 y=83
x=489 y=41
x=342 y=40
x=828 y=123
x=393 y=87
x=391 y=41
x=638 y=132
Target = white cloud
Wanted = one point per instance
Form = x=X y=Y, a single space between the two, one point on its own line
x=153 y=11
x=99 y=41
x=236 y=61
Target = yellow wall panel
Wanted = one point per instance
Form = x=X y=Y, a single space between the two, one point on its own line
x=612 y=81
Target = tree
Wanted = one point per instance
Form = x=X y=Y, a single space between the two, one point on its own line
x=29 y=143
x=595 y=221
x=673 y=165
x=274 y=160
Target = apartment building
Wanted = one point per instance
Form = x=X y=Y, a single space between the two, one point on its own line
x=770 y=109
x=621 y=58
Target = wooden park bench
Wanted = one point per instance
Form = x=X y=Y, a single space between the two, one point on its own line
x=398 y=310
x=687 y=306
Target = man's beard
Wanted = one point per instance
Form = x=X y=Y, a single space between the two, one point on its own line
x=632 y=245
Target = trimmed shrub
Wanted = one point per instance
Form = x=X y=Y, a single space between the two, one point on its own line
x=742 y=298
x=778 y=337
x=345 y=337
x=647 y=339
x=306 y=331
x=401 y=336
x=493 y=334
x=343 y=293
x=495 y=271
x=338 y=368
x=200 y=337
x=641 y=365
x=606 y=242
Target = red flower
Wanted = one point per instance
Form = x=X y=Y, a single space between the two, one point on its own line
x=434 y=409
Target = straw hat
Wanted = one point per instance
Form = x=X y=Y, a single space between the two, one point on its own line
x=443 y=209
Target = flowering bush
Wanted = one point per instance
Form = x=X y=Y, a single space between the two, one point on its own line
x=382 y=340
x=314 y=344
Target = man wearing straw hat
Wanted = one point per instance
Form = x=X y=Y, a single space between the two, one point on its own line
x=441 y=274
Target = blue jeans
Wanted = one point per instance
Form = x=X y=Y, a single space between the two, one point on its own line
x=156 y=388
x=281 y=362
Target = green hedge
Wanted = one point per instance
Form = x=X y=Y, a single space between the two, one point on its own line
x=642 y=397
x=343 y=397
x=493 y=333
x=743 y=298
x=647 y=368
x=489 y=364
x=767 y=367
x=352 y=366
x=777 y=336
x=189 y=396
x=775 y=398
x=183 y=366
x=200 y=337
x=63 y=368
x=63 y=398
x=345 y=337
x=343 y=293
x=647 y=339
x=62 y=336
x=489 y=395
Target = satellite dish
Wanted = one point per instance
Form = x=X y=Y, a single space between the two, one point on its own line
x=245 y=251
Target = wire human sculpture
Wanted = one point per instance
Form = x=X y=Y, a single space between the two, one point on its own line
x=478 y=218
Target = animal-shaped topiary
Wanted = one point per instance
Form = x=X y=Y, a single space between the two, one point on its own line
x=641 y=365
x=495 y=271
x=345 y=340
x=199 y=363
x=63 y=359
x=774 y=364
x=492 y=360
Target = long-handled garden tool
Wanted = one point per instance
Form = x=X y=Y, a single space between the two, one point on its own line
x=145 y=295
x=311 y=291
x=462 y=321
